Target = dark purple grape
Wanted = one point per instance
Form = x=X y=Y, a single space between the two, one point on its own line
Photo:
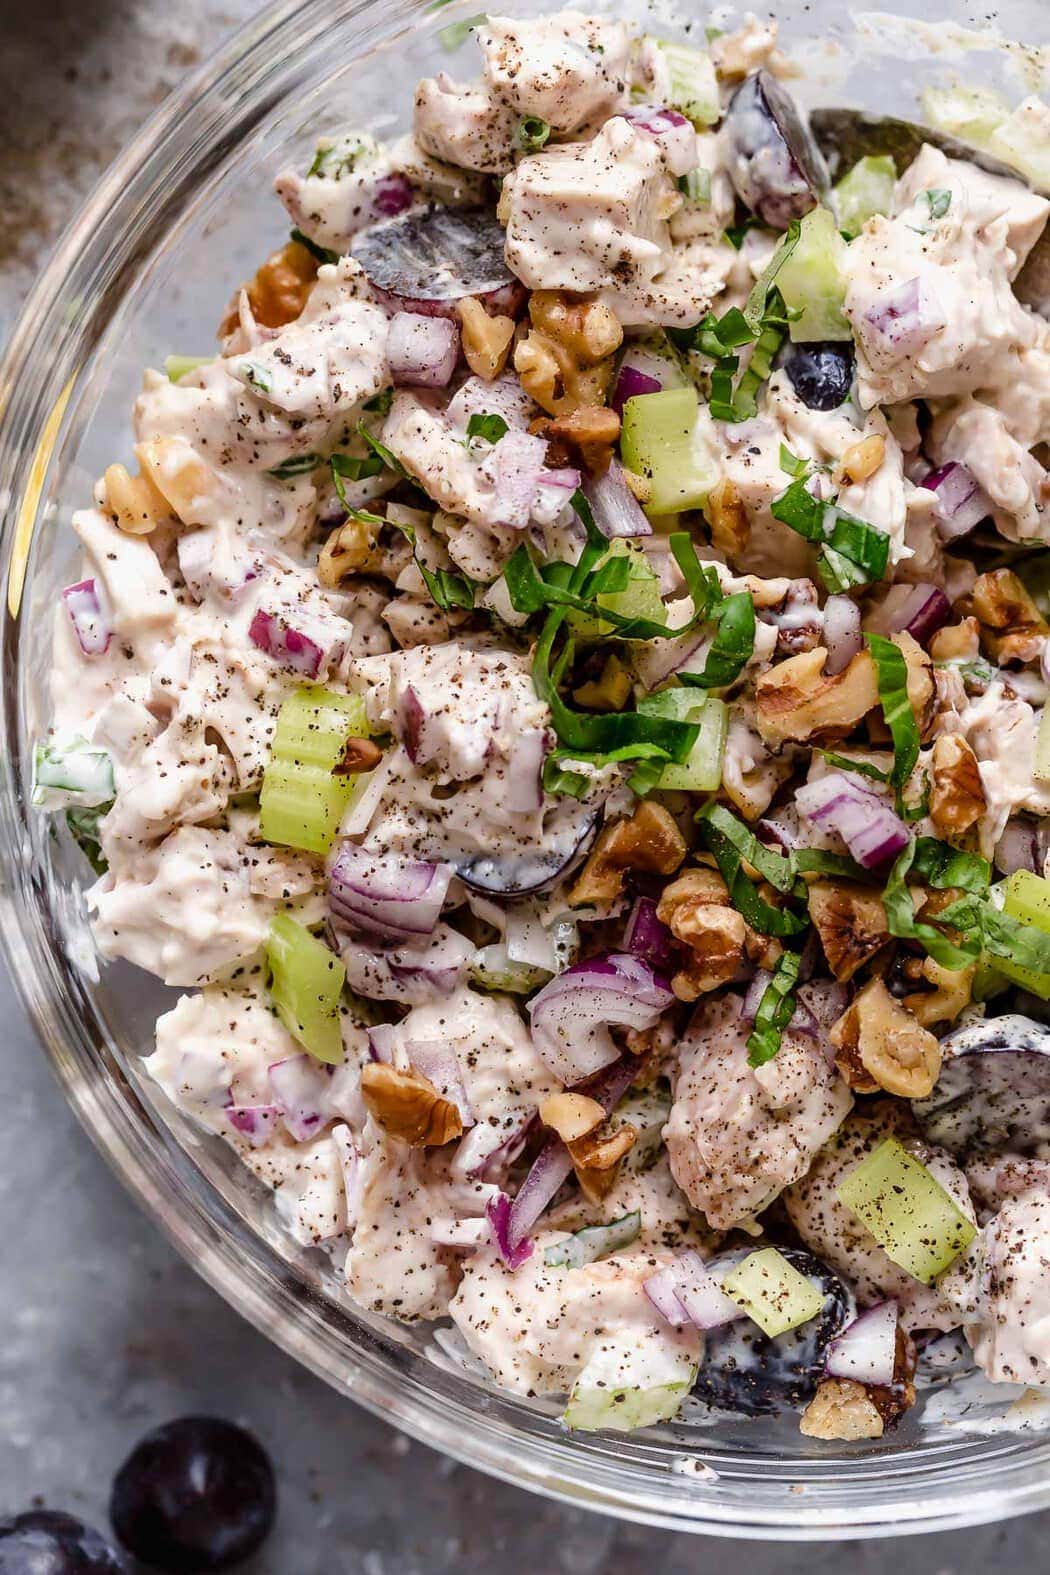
x=773 y=160
x=744 y=1370
x=993 y=1092
x=47 y=1542
x=428 y=260
x=821 y=374
x=573 y=829
x=197 y=1494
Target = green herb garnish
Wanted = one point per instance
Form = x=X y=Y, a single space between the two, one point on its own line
x=489 y=426
x=532 y=134
x=775 y=1011
x=322 y=253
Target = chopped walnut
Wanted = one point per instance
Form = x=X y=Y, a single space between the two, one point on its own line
x=851 y=923
x=134 y=502
x=596 y=1159
x=952 y=991
x=279 y=290
x=552 y=375
x=571 y=1115
x=650 y=841
x=727 y=517
x=860 y=461
x=697 y=911
x=408 y=1106
x=610 y=692
x=359 y=754
x=348 y=550
x=957 y=798
x=895 y=1052
x=796 y=701
x=178 y=475
x=959 y=642
x=582 y=437
x=588 y=330
x=920 y=680
x=1012 y=627
x=486 y=338
x=843 y=1410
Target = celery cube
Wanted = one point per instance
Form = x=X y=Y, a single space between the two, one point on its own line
x=306 y=983
x=702 y=772
x=773 y=1292
x=692 y=84
x=303 y=796
x=918 y=1223
x=813 y=280
x=867 y=189
x=660 y=441
x=1026 y=897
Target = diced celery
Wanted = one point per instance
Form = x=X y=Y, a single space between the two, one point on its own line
x=693 y=85
x=306 y=982
x=1026 y=897
x=866 y=189
x=494 y=970
x=1023 y=140
x=660 y=440
x=918 y=1223
x=178 y=366
x=626 y=1386
x=773 y=1292
x=641 y=598
x=593 y=1242
x=302 y=799
x=813 y=280
x=71 y=774
x=969 y=113
x=702 y=772
x=1019 y=136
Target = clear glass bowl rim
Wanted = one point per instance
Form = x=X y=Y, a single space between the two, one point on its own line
x=767 y=1497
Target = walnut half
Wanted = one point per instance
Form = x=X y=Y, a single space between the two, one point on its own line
x=797 y=701
x=842 y=1410
x=408 y=1106
x=851 y=922
x=650 y=841
x=697 y=910
x=881 y=1045
x=957 y=798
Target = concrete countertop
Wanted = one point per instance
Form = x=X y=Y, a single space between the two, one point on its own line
x=107 y=1333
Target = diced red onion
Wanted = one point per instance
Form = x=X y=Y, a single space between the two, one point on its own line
x=925 y=610
x=661 y=1289
x=209 y=561
x=842 y=635
x=753 y=998
x=382 y=1042
x=551 y=1168
x=422 y=351
x=571 y=1015
x=255 y=1122
x=295 y=649
x=1023 y=845
x=437 y=1060
x=701 y=1294
x=609 y=1085
x=413 y=721
x=648 y=937
x=661 y=560
x=350 y=1165
x=441 y=966
x=392 y=195
x=818 y=1004
x=566 y=479
x=300 y=1092
x=386 y=894
x=506 y=300
x=498 y=1213
x=870 y=829
x=962 y=502
x=90 y=623
x=617 y=512
x=519 y=462
x=907 y=315
x=489 y=1151
x=782 y=829
x=671 y=130
x=655 y=661
x=866 y=1350
x=641 y=371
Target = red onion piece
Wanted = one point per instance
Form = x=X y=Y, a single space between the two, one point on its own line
x=641 y=372
x=300 y=1091
x=255 y=1122
x=392 y=195
x=647 y=937
x=662 y=1290
x=519 y=460
x=506 y=301
x=701 y=1294
x=867 y=825
x=907 y=315
x=413 y=721
x=782 y=830
x=551 y=1168
x=422 y=351
x=671 y=130
x=962 y=502
x=753 y=998
x=842 y=634
x=608 y=1086
x=211 y=562
x=925 y=610
x=386 y=894
x=617 y=512
x=489 y=1151
x=571 y=1015
x=866 y=1350
x=1023 y=846
x=498 y=1213
x=655 y=661
x=295 y=649
x=382 y=1041
x=91 y=624
x=565 y=479
x=437 y=1060
x=818 y=1004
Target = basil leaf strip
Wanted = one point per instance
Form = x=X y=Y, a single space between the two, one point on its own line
x=389 y=459
x=731 y=647
x=488 y=425
x=743 y=894
x=901 y=921
x=852 y=551
x=772 y=866
x=447 y=590
x=775 y=1011
x=892 y=676
x=321 y=253
x=301 y=465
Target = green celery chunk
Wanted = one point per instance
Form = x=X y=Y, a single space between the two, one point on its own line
x=702 y=772
x=693 y=85
x=1026 y=897
x=867 y=189
x=306 y=983
x=593 y=1242
x=970 y=113
x=659 y=440
x=626 y=1385
x=303 y=799
x=1021 y=141
x=918 y=1223
x=71 y=774
x=773 y=1292
x=812 y=280
x=642 y=598
x=178 y=366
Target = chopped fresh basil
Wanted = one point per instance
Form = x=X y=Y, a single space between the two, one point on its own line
x=380 y=450
x=938 y=200
x=258 y=377
x=321 y=253
x=734 y=233
x=456 y=33
x=732 y=646
x=489 y=426
x=744 y=895
x=901 y=921
x=300 y=465
x=379 y=404
x=891 y=672
x=771 y=865
x=759 y=299
x=852 y=551
x=349 y=467
x=447 y=589
x=791 y=465
x=775 y=1011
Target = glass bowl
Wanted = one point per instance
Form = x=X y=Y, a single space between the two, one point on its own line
x=145 y=269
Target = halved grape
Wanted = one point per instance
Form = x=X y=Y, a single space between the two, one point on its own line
x=821 y=374
x=428 y=260
x=573 y=828
x=772 y=158
x=48 y=1542
x=993 y=1092
x=745 y=1370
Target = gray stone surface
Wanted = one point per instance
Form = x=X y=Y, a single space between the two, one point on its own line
x=105 y=1331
